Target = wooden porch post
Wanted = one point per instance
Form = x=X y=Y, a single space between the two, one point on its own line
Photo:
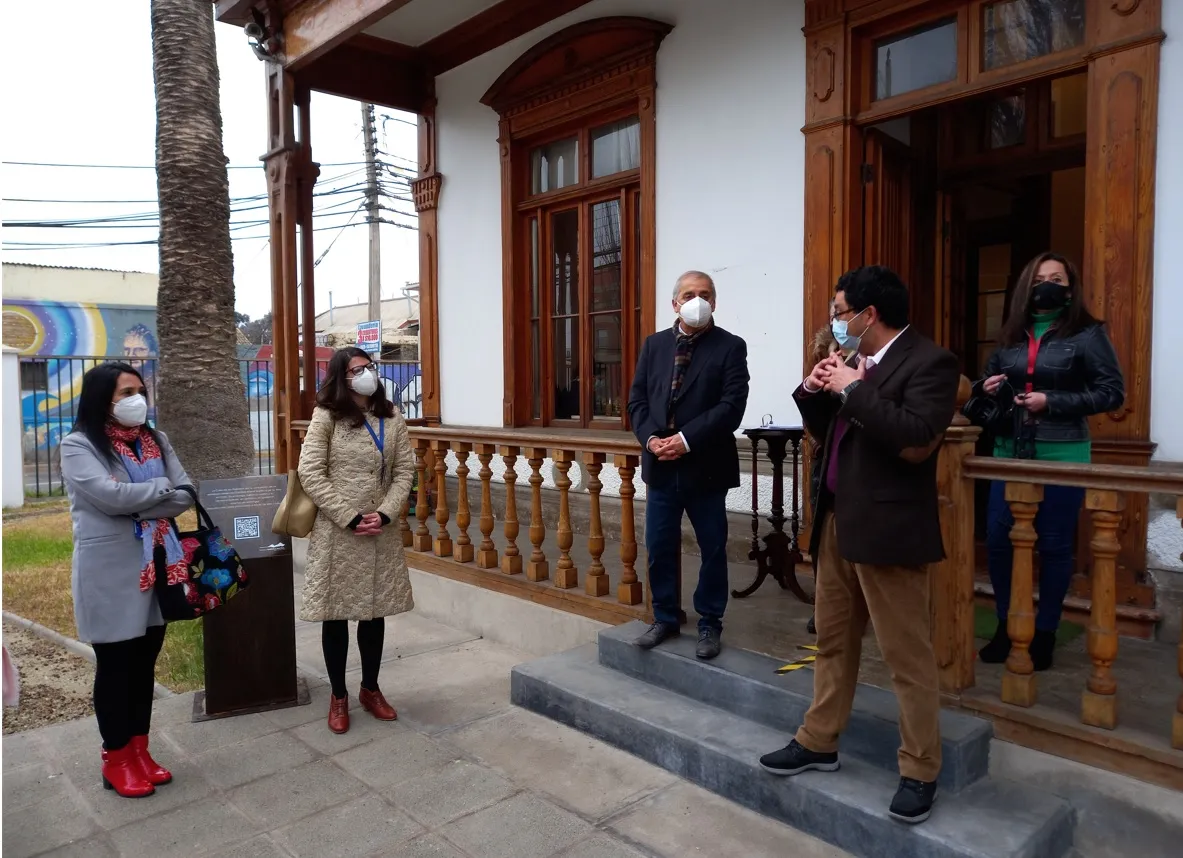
x=281 y=166
x=1119 y=240
x=426 y=191
x=306 y=174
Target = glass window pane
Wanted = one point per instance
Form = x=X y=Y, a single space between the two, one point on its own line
x=1069 y=105
x=534 y=268
x=616 y=147
x=554 y=166
x=637 y=336
x=564 y=232
x=1008 y=122
x=607 y=355
x=606 y=272
x=565 y=343
x=536 y=366
x=990 y=310
x=917 y=60
x=1017 y=30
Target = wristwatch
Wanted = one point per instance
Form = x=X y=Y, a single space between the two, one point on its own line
x=846 y=391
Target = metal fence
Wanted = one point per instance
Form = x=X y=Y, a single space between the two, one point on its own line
x=50 y=387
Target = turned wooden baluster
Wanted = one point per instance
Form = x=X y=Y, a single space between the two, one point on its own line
x=1098 y=706
x=1018 y=683
x=566 y=575
x=486 y=556
x=538 y=569
x=629 y=592
x=404 y=528
x=443 y=542
x=597 y=583
x=463 y=551
x=511 y=561
x=422 y=539
x=1177 y=721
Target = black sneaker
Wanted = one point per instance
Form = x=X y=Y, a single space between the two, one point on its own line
x=998 y=649
x=657 y=633
x=811 y=626
x=708 y=643
x=1041 y=649
x=794 y=758
x=913 y=800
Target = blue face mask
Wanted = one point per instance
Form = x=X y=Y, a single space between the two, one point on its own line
x=839 y=327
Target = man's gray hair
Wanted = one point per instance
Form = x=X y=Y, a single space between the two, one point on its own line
x=693 y=275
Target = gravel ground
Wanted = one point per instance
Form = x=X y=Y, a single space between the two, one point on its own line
x=55 y=684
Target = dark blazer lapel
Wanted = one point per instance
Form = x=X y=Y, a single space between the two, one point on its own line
x=704 y=351
x=894 y=359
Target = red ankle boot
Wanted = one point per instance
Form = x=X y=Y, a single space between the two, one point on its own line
x=123 y=773
x=156 y=774
x=374 y=703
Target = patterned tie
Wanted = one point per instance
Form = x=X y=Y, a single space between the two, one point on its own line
x=840 y=428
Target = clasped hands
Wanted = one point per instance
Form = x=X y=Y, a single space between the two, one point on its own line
x=667 y=449
x=370 y=525
x=832 y=374
x=1033 y=402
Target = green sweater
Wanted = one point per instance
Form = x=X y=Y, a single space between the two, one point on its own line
x=1047 y=451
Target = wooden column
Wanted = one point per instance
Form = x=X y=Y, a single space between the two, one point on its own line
x=597 y=579
x=463 y=550
x=307 y=174
x=566 y=575
x=511 y=560
x=833 y=151
x=1119 y=241
x=537 y=569
x=952 y=580
x=426 y=191
x=443 y=542
x=1099 y=704
x=630 y=591
x=281 y=163
x=486 y=556
x=1018 y=683
x=422 y=538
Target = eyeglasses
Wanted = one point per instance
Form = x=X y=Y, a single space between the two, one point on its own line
x=840 y=313
x=357 y=371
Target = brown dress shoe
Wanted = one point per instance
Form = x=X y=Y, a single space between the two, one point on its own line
x=374 y=703
x=339 y=714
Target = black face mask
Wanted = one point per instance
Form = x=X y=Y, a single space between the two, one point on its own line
x=1049 y=295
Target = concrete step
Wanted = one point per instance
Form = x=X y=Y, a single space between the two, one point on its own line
x=747 y=684
x=719 y=750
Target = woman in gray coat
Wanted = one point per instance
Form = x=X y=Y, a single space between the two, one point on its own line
x=122 y=479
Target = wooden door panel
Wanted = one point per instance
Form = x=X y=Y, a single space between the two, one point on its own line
x=887 y=204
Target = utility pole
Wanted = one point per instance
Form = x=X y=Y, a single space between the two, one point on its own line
x=375 y=291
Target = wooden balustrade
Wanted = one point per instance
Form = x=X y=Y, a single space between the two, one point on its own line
x=1018 y=683
x=563 y=568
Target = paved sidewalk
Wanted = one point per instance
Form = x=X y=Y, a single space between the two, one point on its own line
x=462 y=773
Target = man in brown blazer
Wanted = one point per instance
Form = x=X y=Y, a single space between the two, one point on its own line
x=882 y=414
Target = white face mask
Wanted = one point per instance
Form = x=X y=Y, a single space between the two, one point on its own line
x=695 y=313
x=131 y=411
x=365 y=384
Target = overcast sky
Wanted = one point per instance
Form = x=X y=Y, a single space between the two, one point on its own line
x=78 y=90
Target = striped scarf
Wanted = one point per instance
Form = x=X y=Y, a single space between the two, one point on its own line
x=143 y=460
x=683 y=353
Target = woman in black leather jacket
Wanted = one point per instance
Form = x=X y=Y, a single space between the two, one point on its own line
x=1057 y=364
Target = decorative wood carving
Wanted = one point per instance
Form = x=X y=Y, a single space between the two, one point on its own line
x=597 y=578
x=426 y=195
x=630 y=591
x=422 y=538
x=463 y=550
x=537 y=569
x=486 y=557
x=1125 y=8
x=823 y=73
x=566 y=575
x=511 y=560
x=426 y=191
x=1018 y=683
x=1099 y=703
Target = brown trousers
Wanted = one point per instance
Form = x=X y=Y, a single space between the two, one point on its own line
x=896 y=599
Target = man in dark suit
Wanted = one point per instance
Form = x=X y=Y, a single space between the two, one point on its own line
x=883 y=414
x=687 y=399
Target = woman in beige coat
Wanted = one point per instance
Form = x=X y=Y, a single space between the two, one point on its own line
x=357 y=467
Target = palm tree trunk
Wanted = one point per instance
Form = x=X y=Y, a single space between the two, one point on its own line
x=201 y=400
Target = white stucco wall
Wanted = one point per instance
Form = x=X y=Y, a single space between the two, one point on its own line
x=730 y=192
x=1166 y=401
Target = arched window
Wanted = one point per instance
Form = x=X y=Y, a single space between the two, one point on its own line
x=577 y=189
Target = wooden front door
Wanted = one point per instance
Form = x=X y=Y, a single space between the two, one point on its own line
x=888 y=204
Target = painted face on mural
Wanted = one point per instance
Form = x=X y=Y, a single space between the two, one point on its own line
x=136 y=349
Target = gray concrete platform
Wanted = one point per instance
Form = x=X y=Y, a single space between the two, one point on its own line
x=462 y=774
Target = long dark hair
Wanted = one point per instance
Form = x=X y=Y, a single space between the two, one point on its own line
x=94 y=405
x=336 y=396
x=1074 y=319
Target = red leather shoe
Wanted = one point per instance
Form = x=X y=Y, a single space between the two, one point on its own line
x=339 y=714
x=374 y=703
x=123 y=773
x=156 y=774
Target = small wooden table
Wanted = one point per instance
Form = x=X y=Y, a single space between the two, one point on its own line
x=781 y=554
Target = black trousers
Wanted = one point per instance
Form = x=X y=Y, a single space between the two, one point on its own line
x=334 y=639
x=124 y=679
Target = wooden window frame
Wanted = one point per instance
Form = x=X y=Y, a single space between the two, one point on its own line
x=590 y=74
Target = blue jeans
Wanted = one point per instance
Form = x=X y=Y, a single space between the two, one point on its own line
x=1055 y=527
x=707 y=510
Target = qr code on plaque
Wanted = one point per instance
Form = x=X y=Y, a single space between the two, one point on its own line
x=246 y=527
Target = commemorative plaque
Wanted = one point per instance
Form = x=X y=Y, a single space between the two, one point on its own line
x=250 y=642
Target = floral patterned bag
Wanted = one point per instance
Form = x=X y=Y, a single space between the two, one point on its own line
x=215 y=577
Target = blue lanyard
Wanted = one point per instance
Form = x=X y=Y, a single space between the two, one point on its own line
x=379 y=436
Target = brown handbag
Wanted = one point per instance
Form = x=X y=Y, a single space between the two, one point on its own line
x=297 y=512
